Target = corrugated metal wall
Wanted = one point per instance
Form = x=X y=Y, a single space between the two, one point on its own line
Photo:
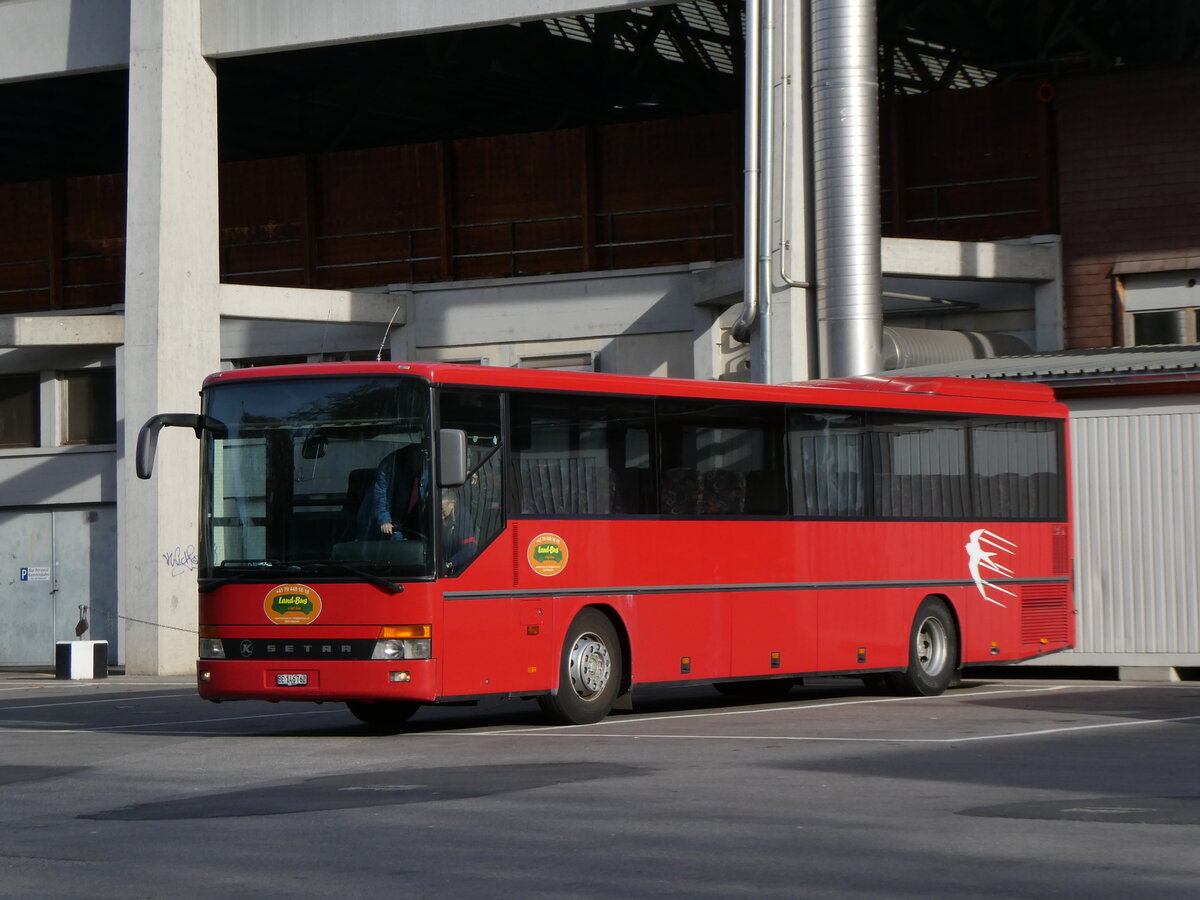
x=1137 y=530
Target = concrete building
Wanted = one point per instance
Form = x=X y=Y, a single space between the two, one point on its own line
x=709 y=189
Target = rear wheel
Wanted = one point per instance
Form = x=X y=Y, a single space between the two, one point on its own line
x=589 y=673
x=932 y=652
x=382 y=714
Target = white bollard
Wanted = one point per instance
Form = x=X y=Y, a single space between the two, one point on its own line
x=81 y=660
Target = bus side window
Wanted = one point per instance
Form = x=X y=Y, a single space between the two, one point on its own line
x=721 y=459
x=1016 y=470
x=582 y=456
x=827 y=449
x=480 y=500
x=919 y=465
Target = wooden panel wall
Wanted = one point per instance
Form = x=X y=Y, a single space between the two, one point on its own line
x=652 y=193
x=62 y=244
x=968 y=165
x=1130 y=189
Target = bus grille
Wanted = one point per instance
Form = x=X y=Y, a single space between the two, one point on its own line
x=1061 y=551
x=1045 y=615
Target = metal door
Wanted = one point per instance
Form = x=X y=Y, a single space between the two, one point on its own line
x=26 y=588
x=56 y=567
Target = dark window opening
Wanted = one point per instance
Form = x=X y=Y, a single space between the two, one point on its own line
x=90 y=401
x=20 y=419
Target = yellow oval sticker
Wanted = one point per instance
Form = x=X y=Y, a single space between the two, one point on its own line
x=292 y=604
x=547 y=554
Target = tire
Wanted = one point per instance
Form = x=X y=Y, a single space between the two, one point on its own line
x=932 y=652
x=589 y=672
x=386 y=715
x=766 y=690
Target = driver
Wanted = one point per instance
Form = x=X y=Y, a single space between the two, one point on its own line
x=398 y=492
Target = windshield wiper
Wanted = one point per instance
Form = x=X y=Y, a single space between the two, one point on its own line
x=251 y=567
x=378 y=581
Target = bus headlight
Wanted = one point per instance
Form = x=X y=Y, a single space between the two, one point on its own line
x=210 y=643
x=404 y=642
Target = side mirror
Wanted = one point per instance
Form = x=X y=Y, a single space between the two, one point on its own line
x=147 y=442
x=452 y=457
x=314 y=446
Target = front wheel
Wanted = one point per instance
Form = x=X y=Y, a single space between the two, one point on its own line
x=383 y=714
x=932 y=652
x=589 y=673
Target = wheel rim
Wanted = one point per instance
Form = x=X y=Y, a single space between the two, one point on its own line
x=590 y=666
x=932 y=646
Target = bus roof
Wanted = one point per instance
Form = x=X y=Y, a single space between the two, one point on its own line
x=871 y=390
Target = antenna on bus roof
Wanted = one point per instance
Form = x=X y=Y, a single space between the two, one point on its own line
x=386 y=331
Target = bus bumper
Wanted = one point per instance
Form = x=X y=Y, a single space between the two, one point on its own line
x=413 y=679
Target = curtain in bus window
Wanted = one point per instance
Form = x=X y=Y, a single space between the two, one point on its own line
x=1016 y=471
x=919 y=466
x=827 y=464
x=720 y=459
x=581 y=456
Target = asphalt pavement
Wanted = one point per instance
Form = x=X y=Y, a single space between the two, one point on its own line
x=134 y=787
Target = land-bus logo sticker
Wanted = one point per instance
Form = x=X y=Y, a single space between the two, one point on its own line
x=292 y=604
x=547 y=554
x=982 y=550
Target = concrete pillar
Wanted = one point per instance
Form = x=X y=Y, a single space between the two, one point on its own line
x=172 y=325
x=791 y=305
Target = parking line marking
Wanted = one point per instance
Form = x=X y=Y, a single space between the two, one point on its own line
x=776 y=709
x=93 y=684
x=109 y=729
x=565 y=730
x=125 y=698
x=853 y=740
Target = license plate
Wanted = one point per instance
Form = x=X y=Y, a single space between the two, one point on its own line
x=291 y=679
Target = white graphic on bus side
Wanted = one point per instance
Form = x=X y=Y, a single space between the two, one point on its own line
x=981 y=561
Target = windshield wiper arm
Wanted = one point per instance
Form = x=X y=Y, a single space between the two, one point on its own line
x=251 y=567
x=378 y=581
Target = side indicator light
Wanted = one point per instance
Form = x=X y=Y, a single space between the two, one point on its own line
x=775 y=659
x=862 y=654
x=533 y=630
x=685 y=665
x=403 y=632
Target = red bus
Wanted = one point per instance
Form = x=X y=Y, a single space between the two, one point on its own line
x=390 y=535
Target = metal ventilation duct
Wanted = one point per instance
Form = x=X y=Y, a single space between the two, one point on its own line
x=904 y=348
x=846 y=185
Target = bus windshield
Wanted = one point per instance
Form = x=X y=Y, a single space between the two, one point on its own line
x=317 y=477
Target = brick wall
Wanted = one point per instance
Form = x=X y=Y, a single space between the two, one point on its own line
x=1129 y=188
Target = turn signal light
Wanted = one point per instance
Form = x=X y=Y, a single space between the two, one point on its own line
x=401 y=632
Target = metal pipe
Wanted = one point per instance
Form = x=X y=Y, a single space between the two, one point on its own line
x=793 y=188
x=745 y=321
x=846 y=186
x=766 y=184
